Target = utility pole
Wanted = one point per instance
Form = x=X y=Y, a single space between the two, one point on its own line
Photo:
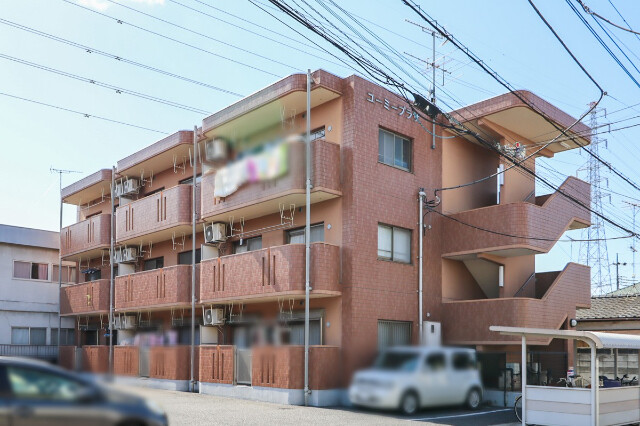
x=60 y=172
x=617 y=265
x=593 y=251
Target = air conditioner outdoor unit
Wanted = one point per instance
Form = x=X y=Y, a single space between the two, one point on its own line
x=213 y=317
x=216 y=150
x=125 y=255
x=117 y=323
x=130 y=186
x=119 y=189
x=215 y=233
x=129 y=322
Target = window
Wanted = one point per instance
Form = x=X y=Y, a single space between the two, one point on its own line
x=296 y=236
x=28 y=336
x=31 y=270
x=19 y=335
x=317 y=133
x=184 y=258
x=31 y=383
x=394 y=243
x=67 y=336
x=394 y=150
x=249 y=244
x=463 y=361
x=68 y=274
x=188 y=180
x=397 y=361
x=156 y=263
x=435 y=361
x=393 y=333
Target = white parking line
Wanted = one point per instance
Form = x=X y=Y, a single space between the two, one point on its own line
x=462 y=415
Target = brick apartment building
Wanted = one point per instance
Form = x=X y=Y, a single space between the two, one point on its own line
x=369 y=160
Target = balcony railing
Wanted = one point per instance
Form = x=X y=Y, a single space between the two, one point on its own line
x=164 y=287
x=270 y=273
x=30 y=351
x=89 y=297
x=545 y=221
x=156 y=217
x=554 y=299
x=86 y=239
x=257 y=199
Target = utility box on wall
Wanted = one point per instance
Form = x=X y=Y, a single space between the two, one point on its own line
x=431 y=333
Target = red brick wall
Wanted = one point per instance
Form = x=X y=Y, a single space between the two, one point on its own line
x=95 y=359
x=171 y=362
x=548 y=220
x=468 y=322
x=159 y=287
x=163 y=210
x=283 y=367
x=126 y=361
x=85 y=298
x=89 y=234
x=326 y=175
x=216 y=364
x=67 y=357
x=273 y=270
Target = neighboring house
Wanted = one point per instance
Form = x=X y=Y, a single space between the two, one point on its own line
x=29 y=293
x=370 y=159
x=616 y=312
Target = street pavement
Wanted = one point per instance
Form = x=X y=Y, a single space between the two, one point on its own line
x=185 y=408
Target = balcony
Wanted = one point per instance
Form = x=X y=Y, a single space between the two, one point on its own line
x=91 y=359
x=158 y=288
x=156 y=217
x=551 y=300
x=258 y=199
x=85 y=298
x=217 y=364
x=171 y=362
x=547 y=219
x=271 y=273
x=86 y=239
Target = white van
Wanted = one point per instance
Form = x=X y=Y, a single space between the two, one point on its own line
x=409 y=378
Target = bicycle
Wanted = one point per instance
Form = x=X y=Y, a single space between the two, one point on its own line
x=517 y=408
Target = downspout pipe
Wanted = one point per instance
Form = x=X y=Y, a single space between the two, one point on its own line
x=307 y=243
x=193 y=258
x=111 y=267
x=421 y=199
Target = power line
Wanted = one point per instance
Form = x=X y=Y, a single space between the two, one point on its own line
x=84 y=114
x=119 y=58
x=595 y=15
x=121 y=22
x=118 y=90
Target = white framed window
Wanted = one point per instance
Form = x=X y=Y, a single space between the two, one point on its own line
x=29 y=336
x=394 y=150
x=30 y=270
x=296 y=236
x=394 y=243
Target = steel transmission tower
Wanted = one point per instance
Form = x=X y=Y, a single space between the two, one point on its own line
x=593 y=252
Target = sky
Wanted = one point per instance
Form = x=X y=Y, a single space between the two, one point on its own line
x=238 y=48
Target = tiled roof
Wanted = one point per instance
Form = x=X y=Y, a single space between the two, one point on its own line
x=631 y=290
x=611 y=307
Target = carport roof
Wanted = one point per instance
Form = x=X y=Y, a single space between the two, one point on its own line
x=599 y=339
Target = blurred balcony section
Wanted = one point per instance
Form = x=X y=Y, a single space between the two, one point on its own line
x=85 y=298
x=270 y=274
x=237 y=189
x=157 y=217
x=155 y=289
x=543 y=218
x=217 y=364
x=89 y=359
x=542 y=301
x=87 y=239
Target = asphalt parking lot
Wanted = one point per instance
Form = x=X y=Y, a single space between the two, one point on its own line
x=196 y=409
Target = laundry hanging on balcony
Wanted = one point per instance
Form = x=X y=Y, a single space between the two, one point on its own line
x=269 y=164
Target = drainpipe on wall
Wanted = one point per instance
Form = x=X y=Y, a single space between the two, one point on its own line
x=193 y=256
x=421 y=198
x=111 y=278
x=307 y=243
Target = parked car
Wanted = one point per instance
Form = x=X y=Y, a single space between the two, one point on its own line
x=410 y=378
x=36 y=393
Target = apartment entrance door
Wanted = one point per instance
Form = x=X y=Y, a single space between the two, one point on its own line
x=143 y=361
x=243 y=355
